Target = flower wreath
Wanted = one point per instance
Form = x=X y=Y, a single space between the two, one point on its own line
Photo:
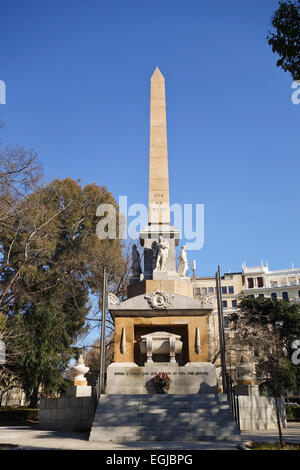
x=162 y=380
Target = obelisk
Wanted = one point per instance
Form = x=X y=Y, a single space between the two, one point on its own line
x=159 y=204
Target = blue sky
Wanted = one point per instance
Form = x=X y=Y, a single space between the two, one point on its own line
x=78 y=86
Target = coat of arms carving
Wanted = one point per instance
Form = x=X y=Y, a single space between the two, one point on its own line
x=159 y=299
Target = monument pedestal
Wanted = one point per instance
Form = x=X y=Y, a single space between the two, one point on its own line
x=193 y=378
x=73 y=411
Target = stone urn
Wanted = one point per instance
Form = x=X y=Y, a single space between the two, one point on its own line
x=244 y=374
x=160 y=343
x=79 y=371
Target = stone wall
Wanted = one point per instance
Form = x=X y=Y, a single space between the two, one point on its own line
x=66 y=413
x=14 y=397
x=259 y=413
x=194 y=378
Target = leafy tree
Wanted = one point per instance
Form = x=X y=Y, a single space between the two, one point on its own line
x=285 y=40
x=52 y=261
x=20 y=173
x=268 y=327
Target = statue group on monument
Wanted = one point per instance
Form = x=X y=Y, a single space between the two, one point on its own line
x=160 y=250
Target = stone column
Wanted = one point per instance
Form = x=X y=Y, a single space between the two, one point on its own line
x=159 y=205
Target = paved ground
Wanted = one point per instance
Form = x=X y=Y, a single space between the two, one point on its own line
x=290 y=434
x=28 y=437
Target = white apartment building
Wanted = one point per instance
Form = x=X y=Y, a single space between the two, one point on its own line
x=259 y=281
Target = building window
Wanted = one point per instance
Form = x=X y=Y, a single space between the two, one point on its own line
x=197 y=291
x=224 y=303
x=210 y=290
x=274 y=295
x=204 y=290
x=260 y=282
x=298 y=293
x=231 y=290
x=261 y=296
x=251 y=296
x=224 y=290
x=234 y=303
x=250 y=283
x=285 y=295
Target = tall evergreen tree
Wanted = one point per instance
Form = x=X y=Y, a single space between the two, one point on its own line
x=52 y=260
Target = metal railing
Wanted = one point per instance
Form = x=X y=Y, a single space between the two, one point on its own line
x=96 y=387
x=233 y=400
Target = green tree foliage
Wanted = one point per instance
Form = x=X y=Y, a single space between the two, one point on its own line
x=51 y=262
x=269 y=327
x=285 y=39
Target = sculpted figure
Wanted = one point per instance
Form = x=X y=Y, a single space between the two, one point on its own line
x=183 y=262
x=136 y=268
x=160 y=254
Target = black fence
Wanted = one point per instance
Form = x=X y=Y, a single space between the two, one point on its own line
x=233 y=400
x=95 y=395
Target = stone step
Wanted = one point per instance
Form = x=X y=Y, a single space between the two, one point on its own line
x=163 y=417
x=179 y=437
x=165 y=397
x=159 y=414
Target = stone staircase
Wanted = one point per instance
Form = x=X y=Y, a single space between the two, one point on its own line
x=121 y=418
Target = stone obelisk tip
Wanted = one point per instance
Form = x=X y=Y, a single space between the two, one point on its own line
x=157 y=75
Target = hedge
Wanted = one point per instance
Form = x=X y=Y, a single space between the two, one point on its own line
x=18 y=414
x=292 y=413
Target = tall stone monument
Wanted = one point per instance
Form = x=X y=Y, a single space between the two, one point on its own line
x=159 y=238
x=159 y=201
x=160 y=327
x=161 y=379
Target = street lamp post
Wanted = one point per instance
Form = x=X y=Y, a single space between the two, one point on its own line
x=221 y=331
x=102 y=340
